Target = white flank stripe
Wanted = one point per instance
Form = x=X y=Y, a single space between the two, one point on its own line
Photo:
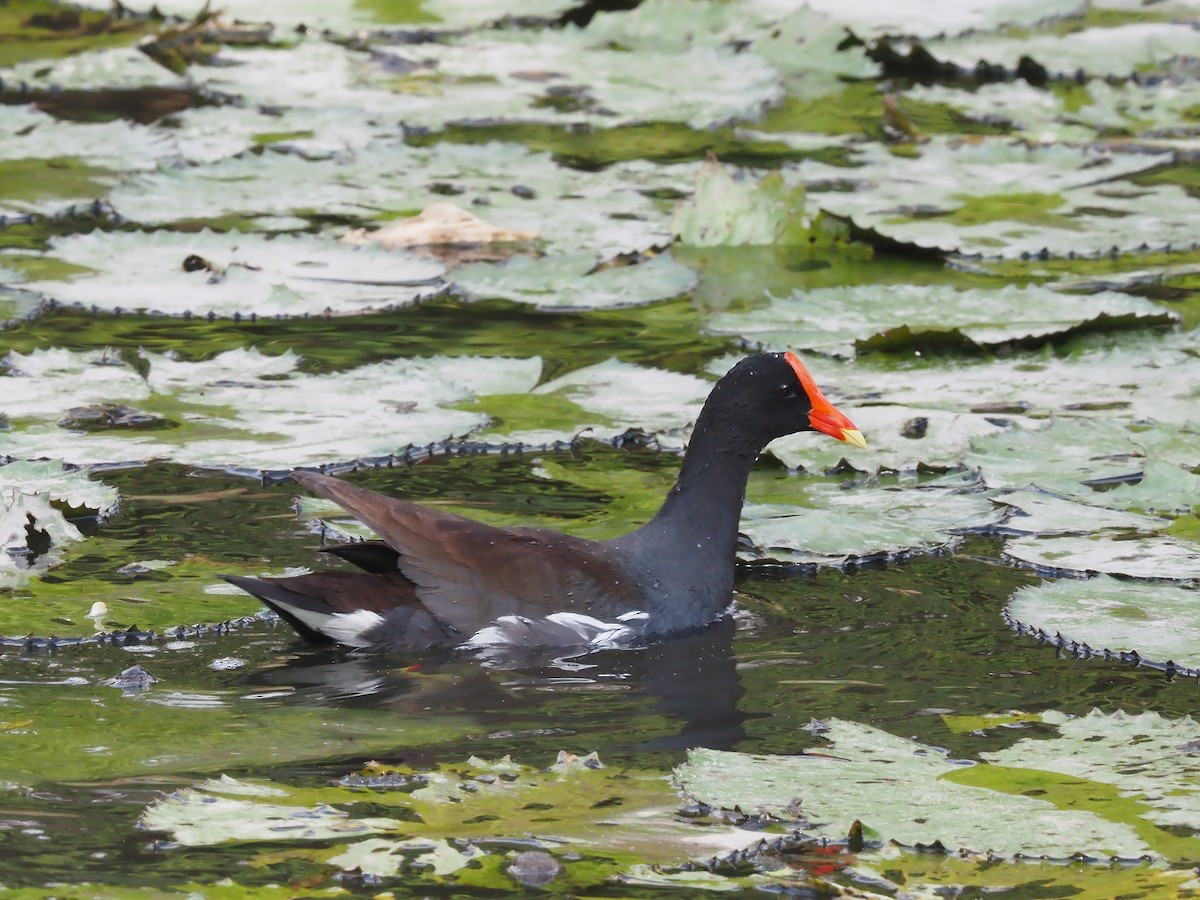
x=345 y=628
x=561 y=629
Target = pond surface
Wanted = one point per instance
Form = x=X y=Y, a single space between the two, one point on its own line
x=900 y=645
x=963 y=660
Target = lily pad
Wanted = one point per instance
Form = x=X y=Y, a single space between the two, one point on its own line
x=605 y=212
x=997 y=197
x=834 y=320
x=226 y=274
x=1160 y=622
x=35 y=533
x=485 y=74
x=1038 y=512
x=576 y=281
x=1022 y=801
x=248 y=409
x=1160 y=557
x=728 y=212
x=1118 y=51
x=478 y=799
x=848 y=521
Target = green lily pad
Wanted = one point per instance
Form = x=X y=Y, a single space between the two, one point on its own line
x=35 y=533
x=827 y=522
x=834 y=320
x=617 y=396
x=604 y=213
x=249 y=409
x=1146 y=758
x=996 y=197
x=1160 y=622
x=576 y=281
x=1158 y=556
x=724 y=212
x=1037 y=512
x=225 y=274
x=1117 y=51
x=1032 y=799
x=473 y=800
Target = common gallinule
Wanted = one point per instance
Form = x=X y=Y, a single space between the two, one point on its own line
x=435 y=579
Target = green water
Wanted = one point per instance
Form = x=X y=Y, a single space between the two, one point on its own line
x=896 y=646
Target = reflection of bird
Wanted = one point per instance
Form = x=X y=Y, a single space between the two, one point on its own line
x=435 y=579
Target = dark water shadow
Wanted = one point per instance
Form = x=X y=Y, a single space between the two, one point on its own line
x=690 y=683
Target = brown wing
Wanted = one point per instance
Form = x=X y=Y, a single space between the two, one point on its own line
x=467 y=574
x=304 y=600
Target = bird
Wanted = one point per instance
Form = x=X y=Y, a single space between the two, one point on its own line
x=436 y=580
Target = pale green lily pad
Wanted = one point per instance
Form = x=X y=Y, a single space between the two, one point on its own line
x=934 y=875
x=808 y=45
x=1001 y=198
x=583 y=807
x=624 y=396
x=16 y=304
x=831 y=320
x=1158 y=556
x=655 y=877
x=247 y=409
x=1119 y=51
x=483 y=75
x=602 y=401
x=346 y=16
x=1148 y=759
x=1157 y=109
x=915 y=18
x=729 y=212
x=604 y=213
x=207 y=273
x=1161 y=622
x=1015 y=805
x=386 y=858
x=1037 y=512
x=121 y=68
x=1068 y=452
x=576 y=281
x=1131 y=395
x=28 y=133
x=34 y=533
x=1166 y=488
x=827 y=522
x=208 y=134
x=197 y=819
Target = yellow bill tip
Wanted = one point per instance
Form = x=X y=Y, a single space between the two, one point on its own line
x=854 y=436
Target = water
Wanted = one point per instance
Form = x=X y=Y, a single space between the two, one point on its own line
x=895 y=646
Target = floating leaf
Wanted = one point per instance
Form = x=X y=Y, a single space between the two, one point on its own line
x=832 y=320
x=249 y=409
x=575 y=281
x=1159 y=622
x=1118 y=51
x=1000 y=198
x=1033 y=798
x=227 y=274
x=605 y=212
x=822 y=521
x=724 y=212
x=1134 y=557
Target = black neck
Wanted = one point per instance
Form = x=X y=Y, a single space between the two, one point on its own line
x=705 y=505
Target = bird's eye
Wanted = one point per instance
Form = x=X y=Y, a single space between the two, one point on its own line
x=785 y=391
